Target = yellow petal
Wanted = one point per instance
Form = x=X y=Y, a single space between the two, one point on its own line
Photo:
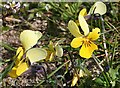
x=73 y=28
x=81 y=73
x=77 y=42
x=36 y=54
x=21 y=68
x=51 y=56
x=48 y=54
x=94 y=34
x=83 y=25
x=20 y=53
x=83 y=12
x=59 y=51
x=87 y=49
x=74 y=80
x=12 y=73
x=100 y=8
x=29 y=38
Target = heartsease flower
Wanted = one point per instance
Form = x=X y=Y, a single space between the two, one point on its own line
x=54 y=49
x=86 y=40
x=27 y=53
x=20 y=65
x=77 y=76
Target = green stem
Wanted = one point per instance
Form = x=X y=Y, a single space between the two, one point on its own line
x=75 y=71
x=106 y=79
x=97 y=63
x=115 y=45
x=52 y=73
x=58 y=82
x=103 y=73
x=104 y=39
x=111 y=26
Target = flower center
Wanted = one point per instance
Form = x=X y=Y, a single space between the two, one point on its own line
x=86 y=42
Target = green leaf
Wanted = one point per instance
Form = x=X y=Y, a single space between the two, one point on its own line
x=31 y=16
x=7 y=69
x=99 y=81
x=7 y=46
x=60 y=41
x=65 y=15
x=1 y=62
x=5 y=28
x=113 y=73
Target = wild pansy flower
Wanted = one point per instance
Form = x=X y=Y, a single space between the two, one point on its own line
x=28 y=39
x=20 y=65
x=54 y=49
x=76 y=77
x=86 y=40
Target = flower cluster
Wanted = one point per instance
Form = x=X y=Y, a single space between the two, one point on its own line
x=27 y=53
x=20 y=65
x=14 y=6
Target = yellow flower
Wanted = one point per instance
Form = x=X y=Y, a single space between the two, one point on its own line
x=74 y=80
x=99 y=7
x=28 y=39
x=54 y=50
x=20 y=66
x=77 y=76
x=86 y=40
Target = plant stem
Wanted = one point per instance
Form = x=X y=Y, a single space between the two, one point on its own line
x=98 y=63
x=103 y=73
x=114 y=50
x=58 y=82
x=75 y=71
x=104 y=39
x=108 y=83
x=52 y=73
